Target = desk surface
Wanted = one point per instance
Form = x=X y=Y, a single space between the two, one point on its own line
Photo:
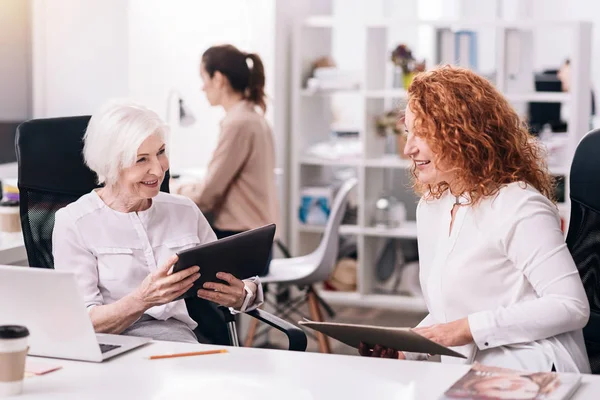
x=247 y=373
x=12 y=248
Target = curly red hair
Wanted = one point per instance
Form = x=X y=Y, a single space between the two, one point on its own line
x=476 y=133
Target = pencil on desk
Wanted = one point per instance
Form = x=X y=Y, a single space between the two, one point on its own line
x=195 y=353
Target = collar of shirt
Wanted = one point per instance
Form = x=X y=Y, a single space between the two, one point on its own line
x=241 y=106
x=144 y=215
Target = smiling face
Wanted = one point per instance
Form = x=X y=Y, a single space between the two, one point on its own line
x=142 y=180
x=428 y=169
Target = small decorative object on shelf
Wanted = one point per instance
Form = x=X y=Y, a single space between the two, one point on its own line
x=397 y=268
x=340 y=146
x=390 y=126
x=325 y=75
x=405 y=66
x=343 y=278
x=389 y=212
x=315 y=205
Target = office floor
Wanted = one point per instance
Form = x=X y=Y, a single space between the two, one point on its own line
x=349 y=315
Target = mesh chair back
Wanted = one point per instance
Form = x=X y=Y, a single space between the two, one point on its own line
x=583 y=238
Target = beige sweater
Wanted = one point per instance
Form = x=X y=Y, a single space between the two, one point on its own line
x=239 y=187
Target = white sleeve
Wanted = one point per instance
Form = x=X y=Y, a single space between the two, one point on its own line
x=427 y=321
x=71 y=254
x=534 y=243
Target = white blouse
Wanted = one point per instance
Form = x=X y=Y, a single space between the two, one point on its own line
x=111 y=252
x=506 y=267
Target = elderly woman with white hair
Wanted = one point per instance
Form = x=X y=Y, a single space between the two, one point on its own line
x=120 y=240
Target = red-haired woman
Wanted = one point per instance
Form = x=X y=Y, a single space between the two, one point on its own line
x=500 y=284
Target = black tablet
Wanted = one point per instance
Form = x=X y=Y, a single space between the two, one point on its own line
x=243 y=255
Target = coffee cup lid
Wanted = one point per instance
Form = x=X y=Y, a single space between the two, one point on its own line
x=13 y=332
x=9 y=203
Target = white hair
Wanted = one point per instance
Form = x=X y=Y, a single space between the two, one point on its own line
x=114 y=135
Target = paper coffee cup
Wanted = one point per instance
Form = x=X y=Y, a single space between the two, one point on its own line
x=10 y=219
x=13 y=351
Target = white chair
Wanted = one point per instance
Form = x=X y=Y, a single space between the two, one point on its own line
x=316 y=267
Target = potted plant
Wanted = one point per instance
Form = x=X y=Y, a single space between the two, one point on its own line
x=390 y=125
x=405 y=66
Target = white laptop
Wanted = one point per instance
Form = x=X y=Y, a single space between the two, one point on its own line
x=49 y=304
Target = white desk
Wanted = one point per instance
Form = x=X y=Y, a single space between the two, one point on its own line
x=12 y=248
x=247 y=373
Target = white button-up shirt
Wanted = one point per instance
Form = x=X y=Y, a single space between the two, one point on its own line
x=111 y=252
x=506 y=267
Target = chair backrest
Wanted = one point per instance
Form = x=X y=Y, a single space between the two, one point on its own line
x=52 y=174
x=583 y=238
x=325 y=256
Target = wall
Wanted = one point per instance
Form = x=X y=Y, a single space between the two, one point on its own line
x=166 y=40
x=85 y=53
x=15 y=53
x=88 y=52
x=79 y=55
x=15 y=77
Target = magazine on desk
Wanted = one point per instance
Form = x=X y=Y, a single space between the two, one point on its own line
x=493 y=383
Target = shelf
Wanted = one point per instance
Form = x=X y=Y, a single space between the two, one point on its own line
x=326 y=21
x=408 y=230
x=386 y=94
x=370 y=94
x=344 y=229
x=539 y=97
x=356 y=162
x=387 y=301
x=324 y=93
x=388 y=161
x=319 y=21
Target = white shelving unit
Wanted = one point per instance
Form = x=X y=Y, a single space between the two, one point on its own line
x=311 y=117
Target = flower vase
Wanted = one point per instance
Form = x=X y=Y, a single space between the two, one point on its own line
x=407 y=79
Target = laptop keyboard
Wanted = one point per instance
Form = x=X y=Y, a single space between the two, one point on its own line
x=108 y=347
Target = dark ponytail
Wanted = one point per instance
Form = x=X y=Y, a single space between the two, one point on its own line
x=256 y=84
x=234 y=65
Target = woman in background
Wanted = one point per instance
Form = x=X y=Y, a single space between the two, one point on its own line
x=239 y=186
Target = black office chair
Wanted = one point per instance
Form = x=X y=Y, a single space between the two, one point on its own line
x=583 y=238
x=52 y=174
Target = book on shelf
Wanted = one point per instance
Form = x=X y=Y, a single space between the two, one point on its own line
x=465 y=49
x=483 y=382
x=445 y=53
